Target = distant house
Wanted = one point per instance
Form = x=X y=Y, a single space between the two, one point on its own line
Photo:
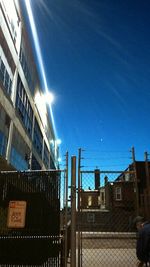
x=120 y=195
x=119 y=200
x=90 y=199
x=130 y=190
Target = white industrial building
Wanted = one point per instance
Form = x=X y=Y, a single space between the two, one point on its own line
x=27 y=136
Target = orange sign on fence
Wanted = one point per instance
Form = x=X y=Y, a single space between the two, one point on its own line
x=16 y=214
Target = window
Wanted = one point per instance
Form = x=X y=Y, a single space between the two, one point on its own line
x=3 y=143
x=2 y=71
x=80 y=201
x=5 y=77
x=19 y=151
x=35 y=165
x=52 y=165
x=24 y=107
x=46 y=156
x=6 y=82
x=89 y=201
x=52 y=147
x=38 y=138
x=118 y=193
x=17 y=160
x=90 y=217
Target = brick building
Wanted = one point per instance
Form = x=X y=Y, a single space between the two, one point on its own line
x=118 y=200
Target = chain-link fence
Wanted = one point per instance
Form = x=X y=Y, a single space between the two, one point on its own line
x=30 y=218
x=106 y=208
x=42 y=223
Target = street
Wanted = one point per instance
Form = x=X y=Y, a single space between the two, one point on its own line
x=109 y=257
x=108 y=249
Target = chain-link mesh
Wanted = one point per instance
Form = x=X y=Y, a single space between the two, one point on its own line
x=107 y=206
x=30 y=218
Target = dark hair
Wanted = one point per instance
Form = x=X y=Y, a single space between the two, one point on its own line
x=138 y=219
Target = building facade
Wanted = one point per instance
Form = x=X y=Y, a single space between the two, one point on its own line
x=27 y=137
x=116 y=201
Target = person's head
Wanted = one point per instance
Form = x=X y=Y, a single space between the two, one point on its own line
x=138 y=222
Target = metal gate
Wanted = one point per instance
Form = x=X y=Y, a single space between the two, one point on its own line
x=105 y=215
x=107 y=203
x=30 y=219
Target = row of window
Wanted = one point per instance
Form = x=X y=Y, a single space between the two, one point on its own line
x=46 y=156
x=25 y=111
x=26 y=70
x=118 y=197
x=5 y=77
x=23 y=97
x=17 y=159
x=26 y=115
x=24 y=107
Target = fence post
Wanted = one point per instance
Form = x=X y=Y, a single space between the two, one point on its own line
x=66 y=212
x=135 y=182
x=147 y=191
x=79 y=218
x=73 y=211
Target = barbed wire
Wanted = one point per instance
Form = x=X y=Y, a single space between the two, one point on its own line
x=104 y=151
x=100 y=166
x=103 y=158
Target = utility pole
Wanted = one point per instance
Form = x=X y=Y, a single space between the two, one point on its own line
x=147 y=191
x=147 y=171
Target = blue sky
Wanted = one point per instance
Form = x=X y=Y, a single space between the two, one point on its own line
x=96 y=55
